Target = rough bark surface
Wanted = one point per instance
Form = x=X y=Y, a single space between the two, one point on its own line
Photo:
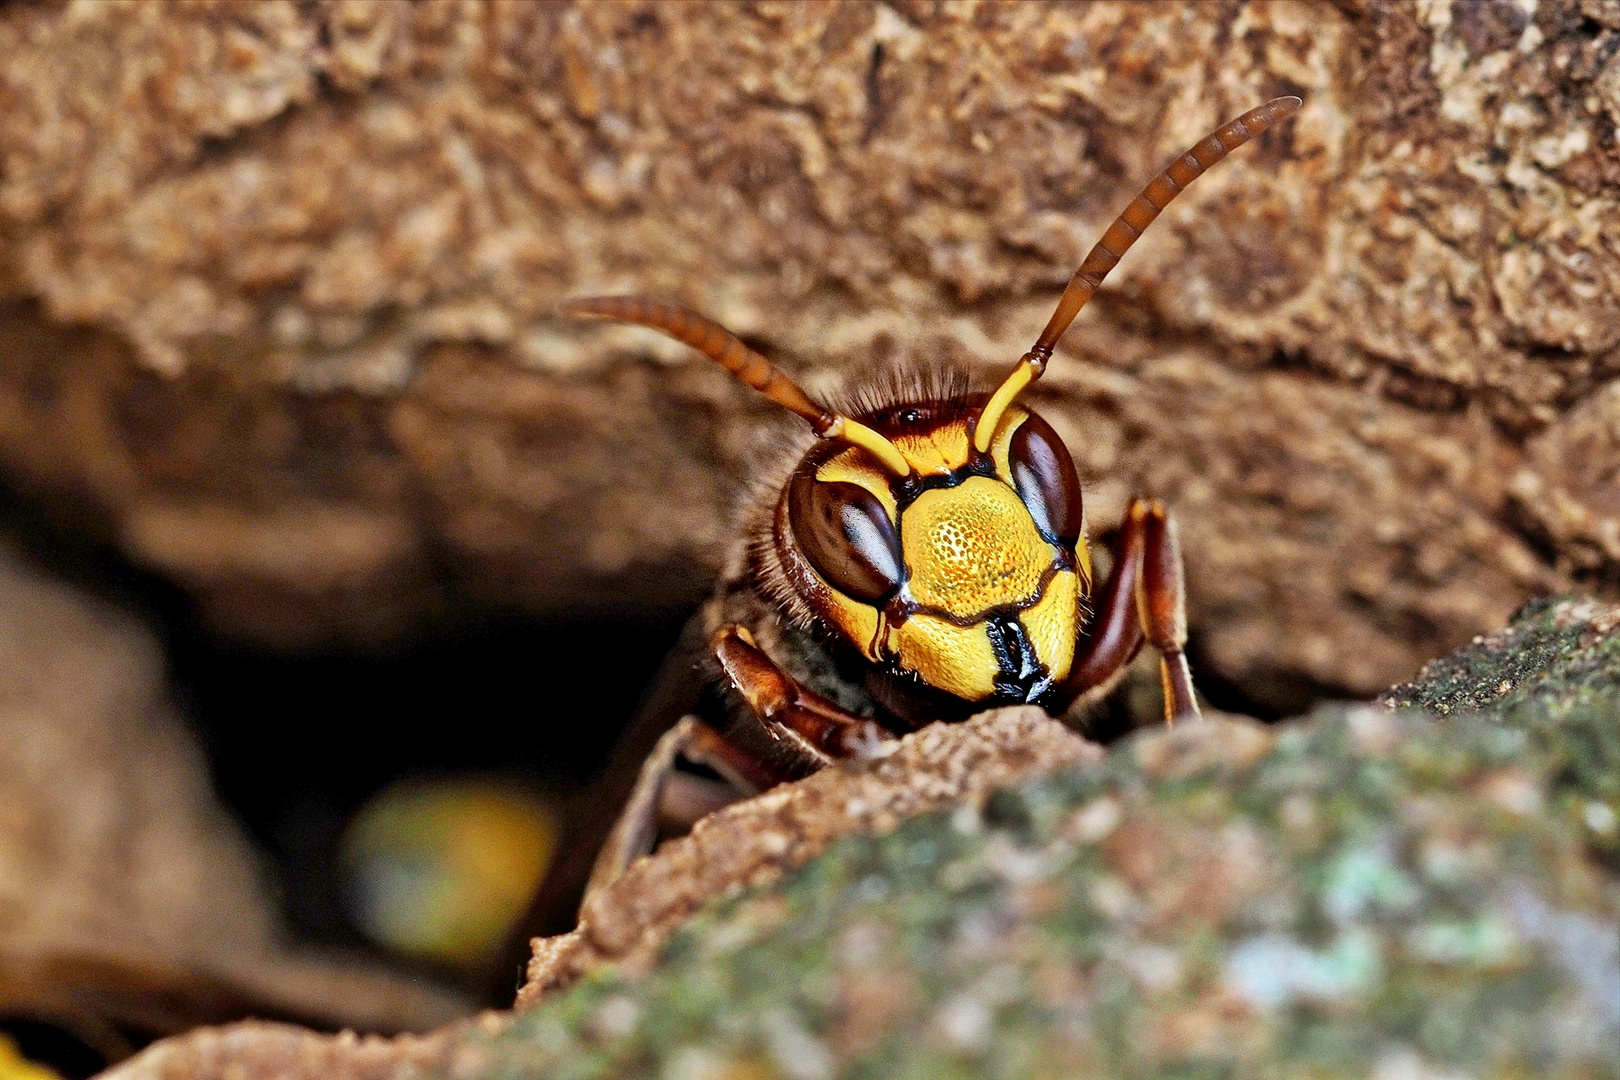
x=1362 y=892
x=281 y=280
x=128 y=898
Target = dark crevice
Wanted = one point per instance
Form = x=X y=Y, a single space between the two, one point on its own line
x=875 y=106
x=297 y=740
x=1268 y=696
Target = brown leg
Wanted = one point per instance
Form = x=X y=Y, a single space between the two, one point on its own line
x=742 y=769
x=815 y=726
x=633 y=834
x=1142 y=598
x=1116 y=632
x=636 y=829
x=1162 y=607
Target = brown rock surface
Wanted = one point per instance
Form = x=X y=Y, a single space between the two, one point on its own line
x=128 y=899
x=281 y=277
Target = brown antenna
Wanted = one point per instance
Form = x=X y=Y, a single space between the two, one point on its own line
x=727 y=349
x=1118 y=240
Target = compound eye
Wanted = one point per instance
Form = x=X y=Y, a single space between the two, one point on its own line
x=847 y=536
x=1043 y=474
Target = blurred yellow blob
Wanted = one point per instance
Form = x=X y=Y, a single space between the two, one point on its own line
x=441 y=869
x=13 y=1066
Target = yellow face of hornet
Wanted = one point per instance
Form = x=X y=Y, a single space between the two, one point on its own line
x=969 y=573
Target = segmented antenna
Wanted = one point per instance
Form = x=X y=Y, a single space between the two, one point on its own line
x=728 y=350
x=1118 y=240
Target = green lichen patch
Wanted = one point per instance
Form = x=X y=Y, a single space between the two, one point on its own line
x=1361 y=893
x=1554 y=651
x=1555 y=674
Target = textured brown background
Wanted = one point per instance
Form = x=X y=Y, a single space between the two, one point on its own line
x=279 y=280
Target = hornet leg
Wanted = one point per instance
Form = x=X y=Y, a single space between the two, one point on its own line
x=814 y=726
x=1144 y=598
x=636 y=830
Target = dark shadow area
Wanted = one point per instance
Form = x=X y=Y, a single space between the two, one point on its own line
x=297 y=742
x=69 y=1055
x=1269 y=697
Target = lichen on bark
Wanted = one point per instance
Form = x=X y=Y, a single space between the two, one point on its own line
x=1370 y=890
x=1362 y=891
x=1555 y=674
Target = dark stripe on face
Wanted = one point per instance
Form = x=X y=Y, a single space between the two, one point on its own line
x=907 y=489
x=899 y=608
x=1021 y=678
